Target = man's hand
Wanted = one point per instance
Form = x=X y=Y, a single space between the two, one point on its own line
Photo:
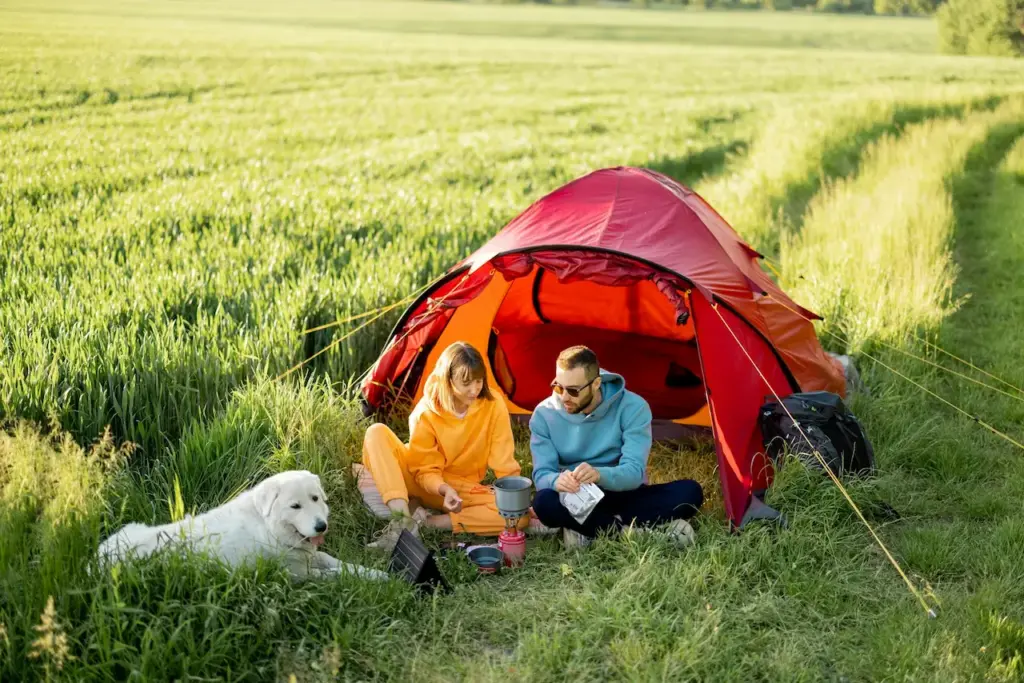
x=452 y=502
x=586 y=474
x=566 y=483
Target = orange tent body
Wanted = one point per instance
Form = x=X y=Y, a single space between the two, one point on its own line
x=643 y=271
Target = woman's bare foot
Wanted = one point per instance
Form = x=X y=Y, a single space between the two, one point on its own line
x=399 y=506
x=443 y=522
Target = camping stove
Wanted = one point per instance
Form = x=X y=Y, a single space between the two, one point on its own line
x=512 y=497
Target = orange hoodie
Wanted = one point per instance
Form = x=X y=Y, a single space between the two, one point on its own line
x=458 y=450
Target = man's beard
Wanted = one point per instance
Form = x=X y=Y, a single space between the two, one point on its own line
x=580 y=407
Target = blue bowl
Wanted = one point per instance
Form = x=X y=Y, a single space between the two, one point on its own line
x=486 y=558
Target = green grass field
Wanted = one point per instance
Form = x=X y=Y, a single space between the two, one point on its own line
x=185 y=187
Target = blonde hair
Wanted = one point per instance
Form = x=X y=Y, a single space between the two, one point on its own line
x=460 y=361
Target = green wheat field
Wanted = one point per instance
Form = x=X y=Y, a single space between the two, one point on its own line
x=186 y=186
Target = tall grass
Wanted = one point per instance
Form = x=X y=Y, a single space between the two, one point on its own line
x=802 y=147
x=874 y=255
x=185 y=189
x=59 y=499
x=52 y=498
x=610 y=25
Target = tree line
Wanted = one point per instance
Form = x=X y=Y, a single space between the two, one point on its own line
x=898 y=7
x=966 y=27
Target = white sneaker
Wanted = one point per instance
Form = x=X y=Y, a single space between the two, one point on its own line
x=678 y=531
x=388 y=538
x=538 y=528
x=574 y=539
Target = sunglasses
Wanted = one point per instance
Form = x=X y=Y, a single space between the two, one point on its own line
x=572 y=391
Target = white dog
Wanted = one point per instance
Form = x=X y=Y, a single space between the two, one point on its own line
x=283 y=516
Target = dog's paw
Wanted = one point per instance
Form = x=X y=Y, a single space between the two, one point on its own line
x=361 y=572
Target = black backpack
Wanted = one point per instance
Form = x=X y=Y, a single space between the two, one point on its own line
x=831 y=428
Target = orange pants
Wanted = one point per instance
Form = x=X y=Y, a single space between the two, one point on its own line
x=384 y=455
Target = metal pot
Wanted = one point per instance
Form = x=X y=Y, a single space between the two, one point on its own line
x=512 y=496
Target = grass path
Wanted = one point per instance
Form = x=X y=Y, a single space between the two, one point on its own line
x=958 y=486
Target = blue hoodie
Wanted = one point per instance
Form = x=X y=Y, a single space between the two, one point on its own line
x=615 y=438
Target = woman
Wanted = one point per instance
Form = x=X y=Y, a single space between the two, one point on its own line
x=456 y=431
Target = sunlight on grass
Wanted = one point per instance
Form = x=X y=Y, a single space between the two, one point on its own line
x=874 y=256
x=185 y=188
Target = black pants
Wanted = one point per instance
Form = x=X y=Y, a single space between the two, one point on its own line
x=645 y=506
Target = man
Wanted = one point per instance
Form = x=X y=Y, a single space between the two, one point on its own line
x=592 y=430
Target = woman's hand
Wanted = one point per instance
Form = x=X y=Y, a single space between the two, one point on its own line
x=452 y=501
x=567 y=483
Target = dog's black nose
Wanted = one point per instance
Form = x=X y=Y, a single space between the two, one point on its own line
x=320 y=526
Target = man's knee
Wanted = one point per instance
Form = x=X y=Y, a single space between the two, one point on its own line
x=697 y=492
x=547 y=506
x=687 y=492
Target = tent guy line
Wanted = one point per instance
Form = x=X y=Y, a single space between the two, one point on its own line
x=973 y=417
x=832 y=475
x=774 y=267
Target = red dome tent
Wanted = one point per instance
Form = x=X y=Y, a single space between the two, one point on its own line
x=630 y=263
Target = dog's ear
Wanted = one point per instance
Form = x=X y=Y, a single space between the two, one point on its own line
x=265 y=494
